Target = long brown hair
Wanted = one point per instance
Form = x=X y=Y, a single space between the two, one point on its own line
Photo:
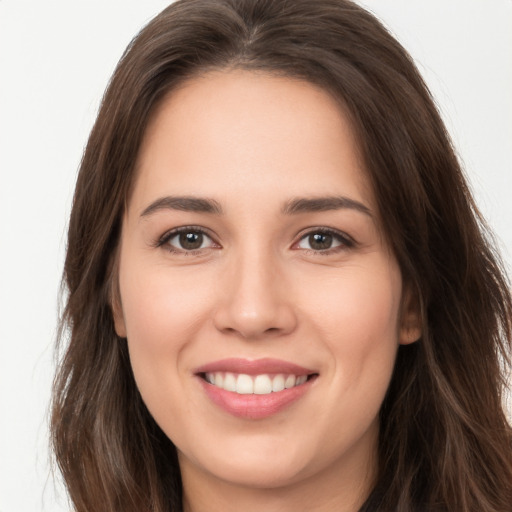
x=445 y=443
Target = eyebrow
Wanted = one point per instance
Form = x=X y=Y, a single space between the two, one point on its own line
x=183 y=203
x=323 y=204
x=292 y=207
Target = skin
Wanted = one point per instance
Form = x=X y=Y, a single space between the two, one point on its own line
x=257 y=288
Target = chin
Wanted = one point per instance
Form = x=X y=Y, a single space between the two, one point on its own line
x=258 y=474
x=265 y=463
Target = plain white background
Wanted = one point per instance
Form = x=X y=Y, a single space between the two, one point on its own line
x=55 y=60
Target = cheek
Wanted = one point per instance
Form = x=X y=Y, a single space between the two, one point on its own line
x=163 y=312
x=160 y=305
x=357 y=317
x=358 y=303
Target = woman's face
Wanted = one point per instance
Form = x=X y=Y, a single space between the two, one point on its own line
x=261 y=304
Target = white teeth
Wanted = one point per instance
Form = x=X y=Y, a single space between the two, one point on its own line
x=278 y=383
x=262 y=385
x=244 y=385
x=219 y=380
x=300 y=380
x=289 y=382
x=259 y=384
x=229 y=382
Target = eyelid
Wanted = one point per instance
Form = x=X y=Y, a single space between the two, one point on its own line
x=168 y=235
x=347 y=242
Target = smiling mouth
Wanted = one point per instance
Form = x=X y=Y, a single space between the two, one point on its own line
x=254 y=389
x=262 y=384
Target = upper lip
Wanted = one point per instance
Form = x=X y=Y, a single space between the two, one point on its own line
x=253 y=367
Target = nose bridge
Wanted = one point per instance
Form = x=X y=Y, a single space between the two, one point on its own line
x=255 y=280
x=255 y=303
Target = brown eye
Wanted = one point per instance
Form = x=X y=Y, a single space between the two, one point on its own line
x=320 y=241
x=323 y=241
x=187 y=239
x=190 y=241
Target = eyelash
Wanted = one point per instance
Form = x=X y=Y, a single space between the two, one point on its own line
x=345 y=242
x=169 y=235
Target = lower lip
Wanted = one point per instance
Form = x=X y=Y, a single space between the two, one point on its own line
x=253 y=406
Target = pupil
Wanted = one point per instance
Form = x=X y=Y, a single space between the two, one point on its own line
x=191 y=240
x=320 y=241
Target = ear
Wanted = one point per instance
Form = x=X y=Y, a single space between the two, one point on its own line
x=118 y=316
x=411 y=327
x=115 y=300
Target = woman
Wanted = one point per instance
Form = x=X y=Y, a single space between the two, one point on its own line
x=281 y=294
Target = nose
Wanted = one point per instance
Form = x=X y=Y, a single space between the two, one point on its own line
x=255 y=301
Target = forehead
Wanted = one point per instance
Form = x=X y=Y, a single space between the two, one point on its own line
x=249 y=134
